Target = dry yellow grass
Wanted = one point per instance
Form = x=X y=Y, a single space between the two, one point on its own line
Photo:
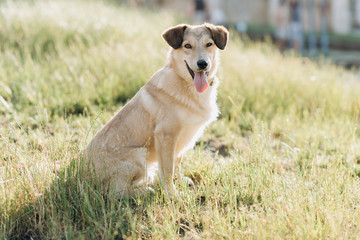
x=281 y=162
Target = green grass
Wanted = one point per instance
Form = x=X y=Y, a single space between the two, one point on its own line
x=282 y=161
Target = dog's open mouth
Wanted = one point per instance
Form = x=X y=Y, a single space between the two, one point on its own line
x=200 y=79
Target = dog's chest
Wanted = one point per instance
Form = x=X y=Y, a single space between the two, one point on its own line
x=188 y=135
x=198 y=109
x=190 y=119
x=193 y=125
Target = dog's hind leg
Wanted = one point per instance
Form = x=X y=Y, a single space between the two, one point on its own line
x=130 y=172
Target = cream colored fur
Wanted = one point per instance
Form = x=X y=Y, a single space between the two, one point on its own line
x=164 y=119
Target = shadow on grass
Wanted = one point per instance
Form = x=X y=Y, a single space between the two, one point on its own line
x=75 y=206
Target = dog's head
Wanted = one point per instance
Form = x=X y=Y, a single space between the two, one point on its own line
x=195 y=50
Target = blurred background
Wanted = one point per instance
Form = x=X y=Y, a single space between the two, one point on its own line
x=314 y=28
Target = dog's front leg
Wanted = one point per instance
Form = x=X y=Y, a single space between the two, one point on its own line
x=165 y=144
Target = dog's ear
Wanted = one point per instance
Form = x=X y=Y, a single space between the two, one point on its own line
x=219 y=34
x=174 y=36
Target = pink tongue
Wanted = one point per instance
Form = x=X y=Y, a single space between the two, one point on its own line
x=200 y=81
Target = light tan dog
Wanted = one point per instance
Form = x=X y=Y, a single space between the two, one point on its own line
x=167 y=115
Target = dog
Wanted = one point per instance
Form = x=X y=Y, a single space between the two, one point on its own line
x=166 y=117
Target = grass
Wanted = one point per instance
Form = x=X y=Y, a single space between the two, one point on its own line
x=282 y=161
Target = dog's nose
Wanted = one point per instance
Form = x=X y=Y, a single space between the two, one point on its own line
x=202 y=64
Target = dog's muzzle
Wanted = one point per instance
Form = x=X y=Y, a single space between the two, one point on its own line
x=200 y=78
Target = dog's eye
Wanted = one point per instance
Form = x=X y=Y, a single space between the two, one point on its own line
x=188 y=46
x=209 y=44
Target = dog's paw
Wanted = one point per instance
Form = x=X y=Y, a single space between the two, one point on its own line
x=171 y=191
x=188 y=181
x=150 y=191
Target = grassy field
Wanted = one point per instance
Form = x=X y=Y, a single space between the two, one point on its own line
x=281 y=162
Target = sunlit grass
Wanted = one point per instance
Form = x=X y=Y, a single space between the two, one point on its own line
x=282 y=161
